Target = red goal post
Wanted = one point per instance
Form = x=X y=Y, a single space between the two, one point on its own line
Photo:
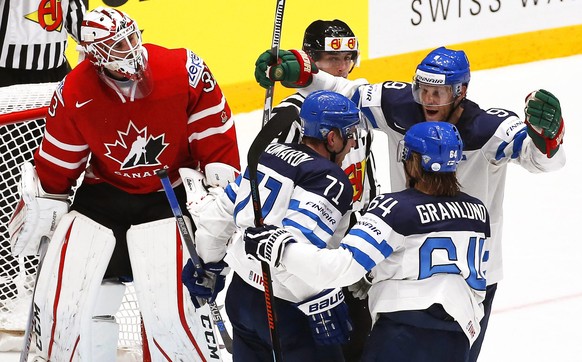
x=22 y=112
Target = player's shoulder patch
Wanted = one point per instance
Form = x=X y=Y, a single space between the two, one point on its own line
x=509 y=128
x=194 y=67
x=371 y=95
x=59 y=91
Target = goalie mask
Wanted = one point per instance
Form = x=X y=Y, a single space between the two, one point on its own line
x=112 y=42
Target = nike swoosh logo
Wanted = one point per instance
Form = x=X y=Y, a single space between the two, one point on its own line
x=79 y=105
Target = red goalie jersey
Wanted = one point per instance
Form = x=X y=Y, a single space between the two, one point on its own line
x=184 y=122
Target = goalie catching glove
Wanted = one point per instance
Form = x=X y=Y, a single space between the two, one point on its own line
x=204 y=285
x=293 y=68
x=266 y=243
x=37 y=214
x=203 y=188
x=328 y=317
x=543 y=117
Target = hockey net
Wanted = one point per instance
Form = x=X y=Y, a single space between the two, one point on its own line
x=22 y=112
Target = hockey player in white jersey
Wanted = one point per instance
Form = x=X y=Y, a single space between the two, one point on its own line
x=334 y=48
x=424 y=246
x=493 y=138
x=302 y=187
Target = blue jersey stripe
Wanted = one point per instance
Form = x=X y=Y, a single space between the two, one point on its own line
x=309 y=234
x=383 y=247
x=359 y=256
x=294 y=205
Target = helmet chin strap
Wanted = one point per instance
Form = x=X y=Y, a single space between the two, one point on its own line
x=332 y=154
x=448 y=117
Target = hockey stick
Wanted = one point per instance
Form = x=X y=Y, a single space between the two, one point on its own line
x=42 y=248
x=187 y=238
x=255 y=151
x=275 y=42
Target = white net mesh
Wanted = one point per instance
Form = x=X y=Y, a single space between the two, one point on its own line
x=22 y=97
x=17 y=275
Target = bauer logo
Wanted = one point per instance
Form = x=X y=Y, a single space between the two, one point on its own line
x=429 y=78
x=326 y=303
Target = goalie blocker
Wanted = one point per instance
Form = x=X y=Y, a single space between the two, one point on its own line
x=36 y=215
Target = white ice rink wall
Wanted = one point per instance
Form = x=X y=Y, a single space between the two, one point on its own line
x=397 y=27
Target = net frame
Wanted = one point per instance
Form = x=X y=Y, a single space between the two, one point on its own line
x=22 y=112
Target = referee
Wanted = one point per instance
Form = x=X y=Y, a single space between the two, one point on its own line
x=33 y=39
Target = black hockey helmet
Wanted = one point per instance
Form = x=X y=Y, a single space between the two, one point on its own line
x=329 y=36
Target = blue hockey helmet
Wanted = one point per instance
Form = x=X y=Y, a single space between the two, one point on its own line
x=438 y=143
x=442 y=67
x=324 y=110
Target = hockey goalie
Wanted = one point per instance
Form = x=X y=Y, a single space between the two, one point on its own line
x=128 y=110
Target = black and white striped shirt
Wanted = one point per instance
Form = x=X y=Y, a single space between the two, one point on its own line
x=33 y=33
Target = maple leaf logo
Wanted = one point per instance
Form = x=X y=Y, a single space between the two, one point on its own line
x=135 y=148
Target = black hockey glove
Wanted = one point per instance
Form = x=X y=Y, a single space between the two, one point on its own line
x=266 y=243
x=204 y=287
x=328 y=317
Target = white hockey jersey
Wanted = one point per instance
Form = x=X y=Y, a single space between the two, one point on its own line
x=307 y=194
x=492 y=139
x=422 y=250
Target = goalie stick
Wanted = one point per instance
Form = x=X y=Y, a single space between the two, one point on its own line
x=255 y=151
x=189 y=241
x=42 y=248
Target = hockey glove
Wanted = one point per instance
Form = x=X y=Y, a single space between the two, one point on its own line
x=206 y=284
x=543 y=117
x=328 y=317
x=294 y=68
x=360 y=288
x=37 y=214
x=202 y=189
x=266 y=243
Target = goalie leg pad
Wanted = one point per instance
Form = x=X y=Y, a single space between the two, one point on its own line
x=67 y=287
x=174 y=328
